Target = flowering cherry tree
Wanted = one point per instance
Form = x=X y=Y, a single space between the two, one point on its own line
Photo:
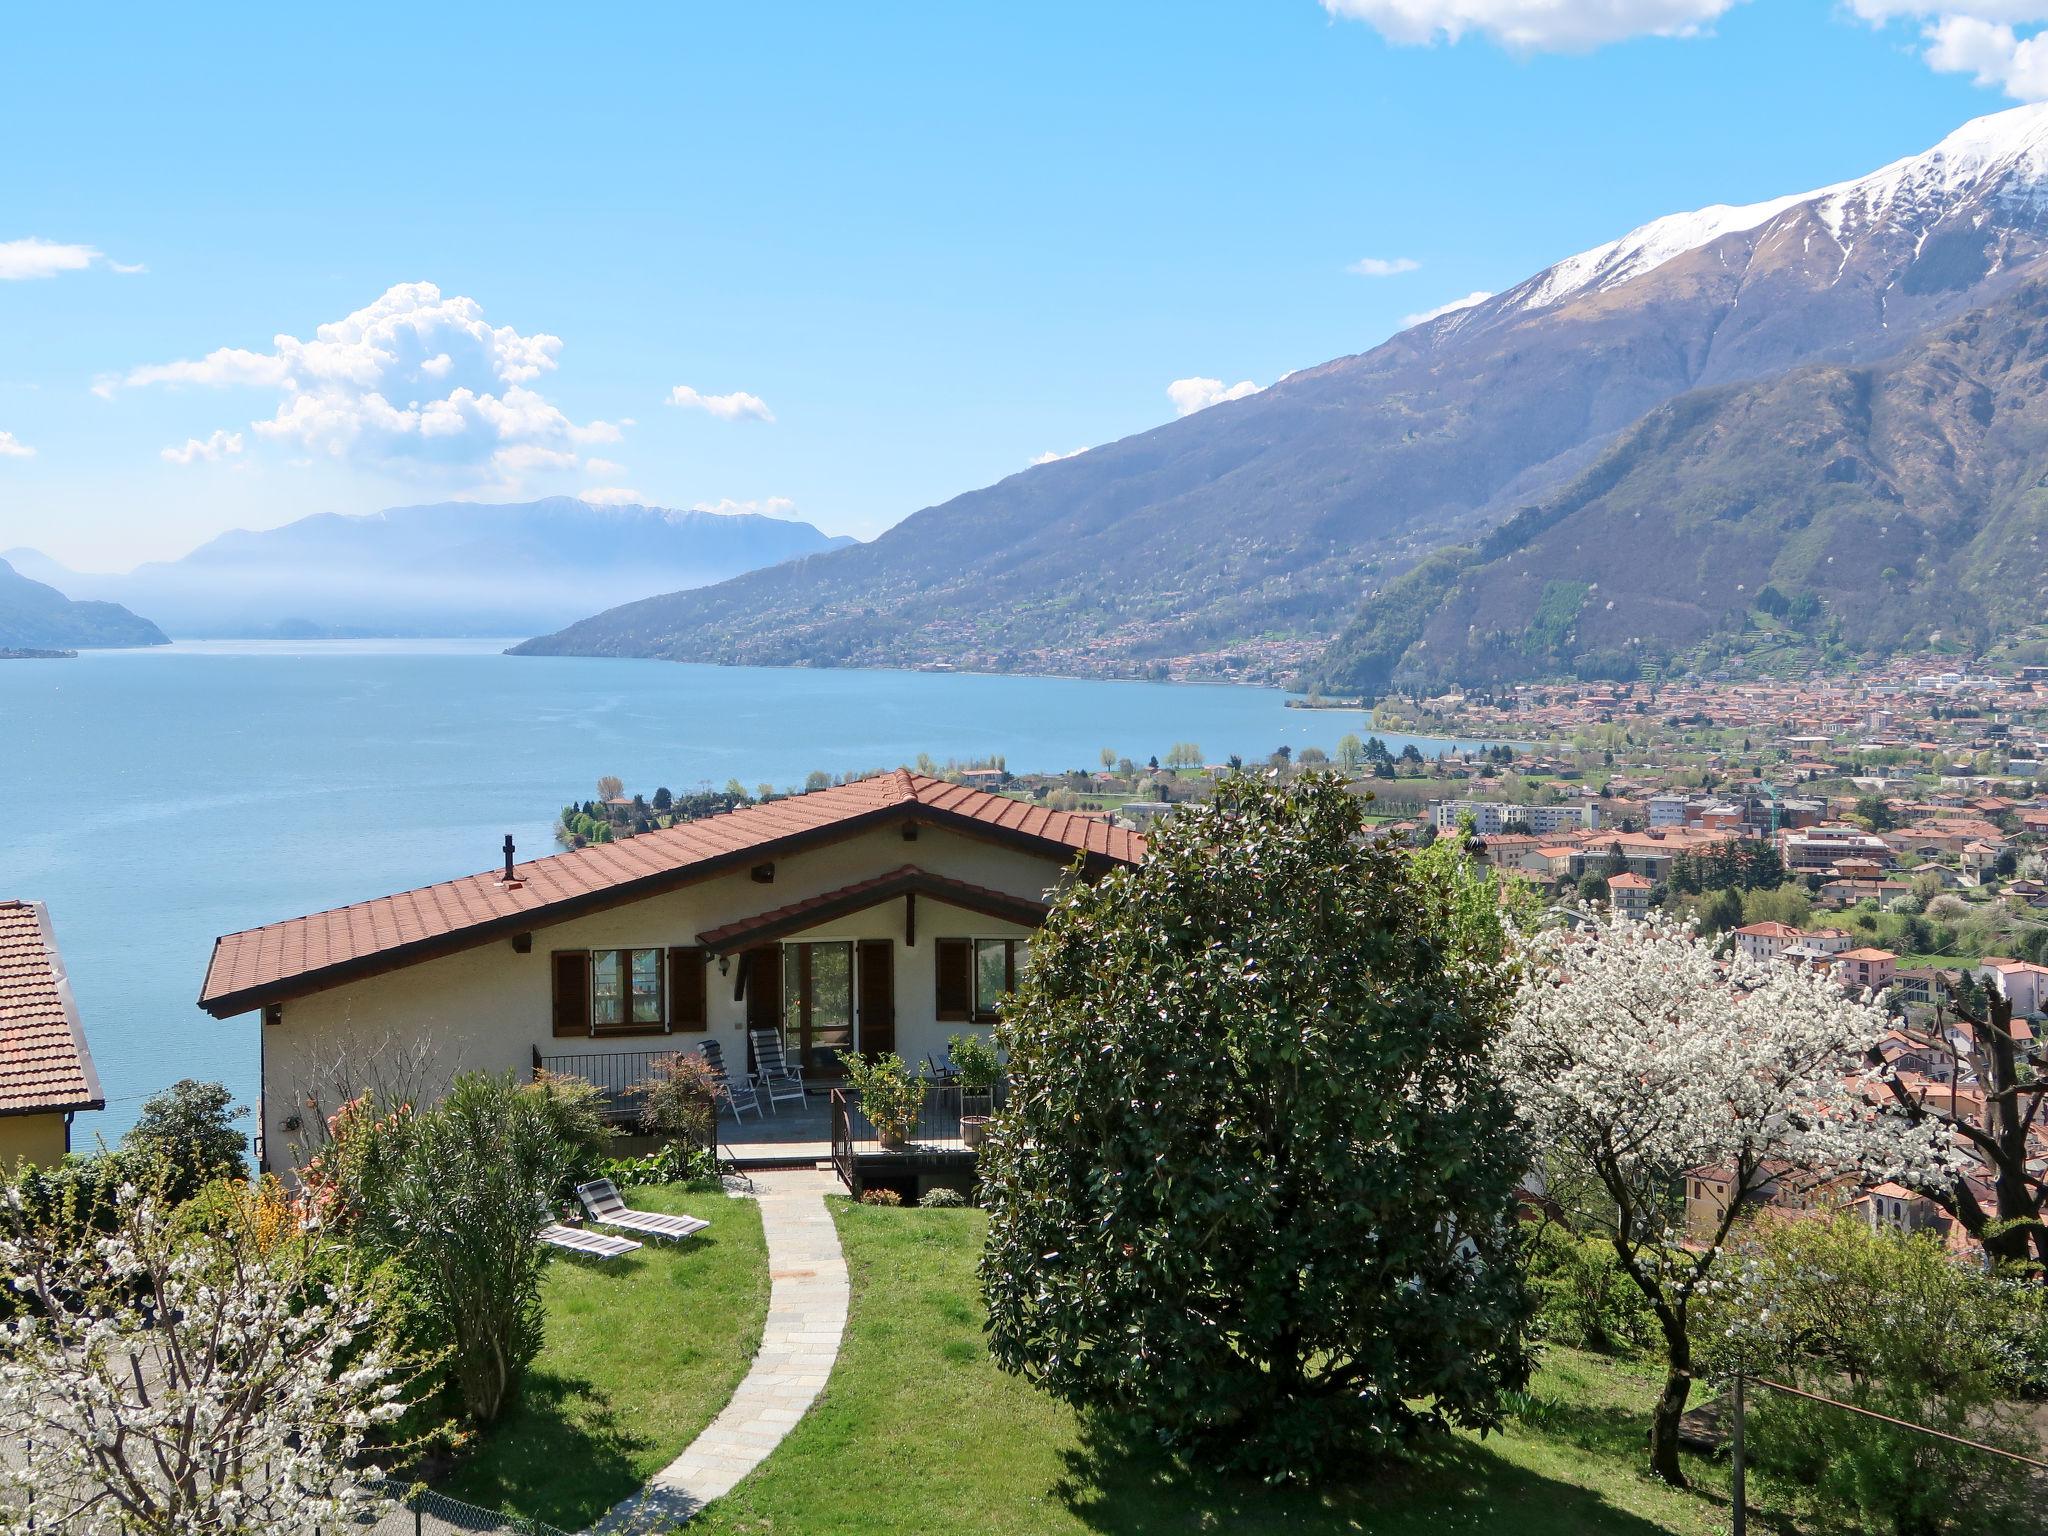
x=159 y=1380
x=1638 y=1057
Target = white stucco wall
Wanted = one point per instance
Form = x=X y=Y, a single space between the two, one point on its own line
x=489 y=1007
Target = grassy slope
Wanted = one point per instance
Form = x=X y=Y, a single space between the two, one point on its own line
x=641 y=1354
x=919 y=1432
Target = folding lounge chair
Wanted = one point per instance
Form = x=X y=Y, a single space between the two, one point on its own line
x=738 y=1093
x=601 y=1199
x=772 y=1069
x=592 y=1245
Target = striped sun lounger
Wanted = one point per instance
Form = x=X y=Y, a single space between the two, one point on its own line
x=595 y=1245
x=601 y=1198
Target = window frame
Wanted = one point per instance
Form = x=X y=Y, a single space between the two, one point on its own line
x=623 y=966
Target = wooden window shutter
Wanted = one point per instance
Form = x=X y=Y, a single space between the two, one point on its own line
x=687 y=989
x=955 y=959
x=572 y=991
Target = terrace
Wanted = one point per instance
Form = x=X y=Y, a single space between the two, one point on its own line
x=827 y=1128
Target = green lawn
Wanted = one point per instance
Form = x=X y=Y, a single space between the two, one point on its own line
x=641 y=1354
x=919 y=1432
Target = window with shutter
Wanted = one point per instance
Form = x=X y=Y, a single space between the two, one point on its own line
x=955 y=960
x=687 y=989
x=572 y=992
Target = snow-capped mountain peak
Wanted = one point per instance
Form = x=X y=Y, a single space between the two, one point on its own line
x=2003 y=155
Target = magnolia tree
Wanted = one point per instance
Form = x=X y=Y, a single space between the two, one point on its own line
x=1254 y=1188
x=159 y=1381
x=1638 y=1058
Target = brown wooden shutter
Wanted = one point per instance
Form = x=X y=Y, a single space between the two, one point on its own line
x=955 y=959
x=687 y=1003
x=572 y=991
x=877 y=995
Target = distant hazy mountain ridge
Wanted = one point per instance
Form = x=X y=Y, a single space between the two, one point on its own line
x=1241 y=539
x=38 y=617
x=456 y=568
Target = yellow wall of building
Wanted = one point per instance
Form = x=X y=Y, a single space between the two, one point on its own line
x=37 y=1139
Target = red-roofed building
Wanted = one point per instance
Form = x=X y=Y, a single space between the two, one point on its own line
x=883 y=914
x=46 y=1070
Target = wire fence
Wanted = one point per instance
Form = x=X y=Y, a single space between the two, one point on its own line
x=423 y=1512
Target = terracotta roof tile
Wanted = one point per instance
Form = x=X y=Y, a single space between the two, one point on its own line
x=44 y=1063
x=303 y=954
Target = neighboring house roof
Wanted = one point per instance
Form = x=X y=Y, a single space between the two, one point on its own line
x=306 y=954
x=862 y=894
x=45 y=1066
x=1629 y=883
x=1866 y=954
x=1770 y=931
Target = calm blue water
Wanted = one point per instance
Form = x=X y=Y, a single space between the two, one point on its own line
x=157 y=798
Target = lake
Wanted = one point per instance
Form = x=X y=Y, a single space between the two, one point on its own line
x=158 y=798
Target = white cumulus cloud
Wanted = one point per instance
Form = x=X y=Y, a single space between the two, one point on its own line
x=416 y=379
x=22 y=260
x=1191 y=395
x=736 y=406
x=1532 y=26
x=1050 y=456
x=218 y=445
x=612 y=496
x=1476 y=296
x=11 y=449
x=1978 y=38
x=1382 y=266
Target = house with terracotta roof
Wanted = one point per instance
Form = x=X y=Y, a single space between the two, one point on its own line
x=46 y=1070
x=883 y=914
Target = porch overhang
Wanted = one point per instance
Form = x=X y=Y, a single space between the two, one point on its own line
x=908 y=881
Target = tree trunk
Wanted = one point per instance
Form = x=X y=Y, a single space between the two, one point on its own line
x=1671 y=1404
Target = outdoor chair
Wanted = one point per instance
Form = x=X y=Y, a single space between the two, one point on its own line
x=592 y=1245
x=773 y=1071
x=601 y=1199
x=737 y=1093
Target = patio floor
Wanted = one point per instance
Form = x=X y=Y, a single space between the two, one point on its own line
x=794 y=1132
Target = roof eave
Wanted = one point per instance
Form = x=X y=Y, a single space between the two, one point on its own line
x=225 y=1005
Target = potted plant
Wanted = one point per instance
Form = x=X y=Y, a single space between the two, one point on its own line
x=974 y=1060
x=890 y=1096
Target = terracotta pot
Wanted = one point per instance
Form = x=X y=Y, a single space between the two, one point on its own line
x=892 y=1139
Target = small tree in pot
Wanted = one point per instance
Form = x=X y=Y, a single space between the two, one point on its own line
x=890 y=1096
x=974 y=1060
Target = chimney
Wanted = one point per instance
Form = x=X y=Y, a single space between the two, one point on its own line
x=509 y=880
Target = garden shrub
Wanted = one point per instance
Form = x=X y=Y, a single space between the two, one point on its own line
x=880 y=1197
x=943 y=1199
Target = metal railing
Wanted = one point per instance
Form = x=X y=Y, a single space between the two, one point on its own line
x=617 y=1075
x=944 y=1133
x=423 y=1512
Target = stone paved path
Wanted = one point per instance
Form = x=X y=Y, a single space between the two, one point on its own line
x=806 y=1316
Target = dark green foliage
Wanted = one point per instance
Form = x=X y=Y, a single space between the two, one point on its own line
x=1592 y=887
x=190 y=1128
x=1254 y=1187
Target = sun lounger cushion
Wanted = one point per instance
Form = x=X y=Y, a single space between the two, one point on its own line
x=601 y=1198
x=596 y=1245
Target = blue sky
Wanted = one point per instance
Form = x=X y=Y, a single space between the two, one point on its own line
x=888 y=253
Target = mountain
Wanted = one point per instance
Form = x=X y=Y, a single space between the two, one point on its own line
x=37 y=617
x=1830 y=511
x=457 y=568
x=1240 y=540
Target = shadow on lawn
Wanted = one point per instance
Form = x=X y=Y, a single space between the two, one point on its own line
x=1120 y=1484
x=560 y=1455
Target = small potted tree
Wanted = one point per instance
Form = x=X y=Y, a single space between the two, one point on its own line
x=974 y=1060
x=890 y=1096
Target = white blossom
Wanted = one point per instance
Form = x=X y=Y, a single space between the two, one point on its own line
x=159 y=1381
